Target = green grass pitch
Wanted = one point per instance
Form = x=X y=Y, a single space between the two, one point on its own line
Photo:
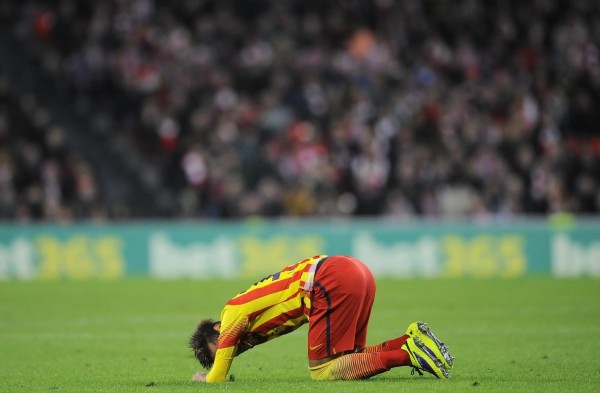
x=525 y=335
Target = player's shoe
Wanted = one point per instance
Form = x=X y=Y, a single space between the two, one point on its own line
x=423 y=358
x=440 y=350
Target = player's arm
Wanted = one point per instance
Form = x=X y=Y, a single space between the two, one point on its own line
x=220 y=369
x=233 y=328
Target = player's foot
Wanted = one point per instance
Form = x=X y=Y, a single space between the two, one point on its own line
x=423 y=358
x=440 y=350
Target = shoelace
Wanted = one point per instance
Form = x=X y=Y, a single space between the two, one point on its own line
x=417 y=370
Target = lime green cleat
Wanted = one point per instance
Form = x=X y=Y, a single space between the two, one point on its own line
x=422 y=358
x=439 y=349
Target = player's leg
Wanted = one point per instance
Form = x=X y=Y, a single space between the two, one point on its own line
x=359 y=365
x=426 y=351
x=390 y=345
x=341 y=301
x=341 y=304
x=365 y=315
x=414 y=353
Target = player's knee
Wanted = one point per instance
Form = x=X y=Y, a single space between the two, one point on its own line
x=320 y=372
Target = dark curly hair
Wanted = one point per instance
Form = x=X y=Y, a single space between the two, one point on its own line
x=205 y=333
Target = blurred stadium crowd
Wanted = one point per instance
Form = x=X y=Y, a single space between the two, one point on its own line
x=227 y=109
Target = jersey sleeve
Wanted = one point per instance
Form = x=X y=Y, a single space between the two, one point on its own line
x=220 y=369
x=233 y=327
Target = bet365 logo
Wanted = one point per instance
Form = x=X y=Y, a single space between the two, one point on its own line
x=80 y=257
x=484 y=255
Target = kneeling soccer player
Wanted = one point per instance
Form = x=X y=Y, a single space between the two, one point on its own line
x=334 y=294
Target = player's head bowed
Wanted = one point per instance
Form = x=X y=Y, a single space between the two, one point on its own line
x=205 y=333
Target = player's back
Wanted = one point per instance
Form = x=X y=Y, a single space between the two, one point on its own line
x=272 y=306
x=277 y=287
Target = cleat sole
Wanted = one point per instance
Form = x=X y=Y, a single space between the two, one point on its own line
x=438 y=363
x=443 y=348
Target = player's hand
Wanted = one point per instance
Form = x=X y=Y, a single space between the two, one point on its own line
x=199 y=377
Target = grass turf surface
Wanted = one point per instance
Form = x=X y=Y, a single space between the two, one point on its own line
x=526 y=335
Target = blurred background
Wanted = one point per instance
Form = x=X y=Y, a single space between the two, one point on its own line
x=200 y=138
x=199 y=109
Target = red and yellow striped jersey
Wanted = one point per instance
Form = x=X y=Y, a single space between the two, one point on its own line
x=272 y=307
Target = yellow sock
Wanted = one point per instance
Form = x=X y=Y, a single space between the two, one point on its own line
x=358 y=365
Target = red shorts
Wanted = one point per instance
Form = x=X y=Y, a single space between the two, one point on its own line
x=341 y=302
